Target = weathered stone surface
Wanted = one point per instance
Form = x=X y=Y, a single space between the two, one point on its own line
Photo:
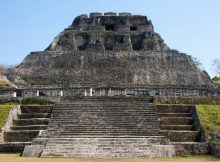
x=110 y=68
x=109 y=50
x=107 y=148
x=33 y=150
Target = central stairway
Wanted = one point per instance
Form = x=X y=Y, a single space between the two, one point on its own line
x=102 y=128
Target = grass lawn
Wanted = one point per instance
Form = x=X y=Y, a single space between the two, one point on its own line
x=210 y=117
x=16 y=158
x=4 y=110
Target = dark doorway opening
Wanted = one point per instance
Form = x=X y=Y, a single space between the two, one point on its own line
x=133 y=28
x=109 y=27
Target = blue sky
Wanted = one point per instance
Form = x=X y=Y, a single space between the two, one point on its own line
x=190 y=26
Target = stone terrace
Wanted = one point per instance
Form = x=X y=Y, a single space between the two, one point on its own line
x=102 y=128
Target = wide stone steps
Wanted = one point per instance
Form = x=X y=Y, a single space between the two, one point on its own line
x=103 y=117
x=106 y=148
x=103 y=128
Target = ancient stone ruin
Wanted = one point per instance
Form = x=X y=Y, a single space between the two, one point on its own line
x=109 y=50
x=104 y=74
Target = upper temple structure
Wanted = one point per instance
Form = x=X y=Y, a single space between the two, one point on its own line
x=120 y=50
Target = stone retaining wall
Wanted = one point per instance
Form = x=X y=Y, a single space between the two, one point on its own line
x=11 y=116
x=190 y=148
x=215 y=149
x=187 y=100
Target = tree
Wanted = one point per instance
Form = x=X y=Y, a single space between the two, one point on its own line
x=216 y=65
x=2 y=69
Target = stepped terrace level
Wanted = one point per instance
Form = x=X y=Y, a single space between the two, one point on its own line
x=101 y=128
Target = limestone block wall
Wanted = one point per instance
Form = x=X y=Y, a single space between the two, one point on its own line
x=110 y=68
x=11 y=116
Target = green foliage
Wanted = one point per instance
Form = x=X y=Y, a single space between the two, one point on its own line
x=216 y=78
x=210 y=119
x=4 y=110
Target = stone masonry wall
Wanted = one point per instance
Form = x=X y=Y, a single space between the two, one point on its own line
x=110 y=68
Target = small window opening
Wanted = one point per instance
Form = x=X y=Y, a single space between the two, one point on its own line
x=133 y=28
x=97 y=41
x=42 y=94
x=121 y=40
x=109 y=28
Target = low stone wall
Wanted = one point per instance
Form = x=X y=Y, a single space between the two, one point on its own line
x=215 y=149
x=12 y=148
x=1 y=136
x=187 y=100
x=190 y=148
x=11 y=116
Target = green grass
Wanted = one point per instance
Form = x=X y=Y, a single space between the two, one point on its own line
x=16 y=158
x=4 y=110
x=210 y=119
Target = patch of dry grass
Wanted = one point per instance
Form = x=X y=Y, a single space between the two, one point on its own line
x=16 y=158
x=4 y=110
x=4 y=83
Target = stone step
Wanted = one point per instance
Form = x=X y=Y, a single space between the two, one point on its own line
x=29 y=127
x=107 y=119
x=174 y=114
x=13 y=147
x=86 y=125
x=20 y=136
x=176 y=127
x=36 y=109
x=105 y=105
x=173 y=108
x=32 y=121
x=105 y=134
x=198 y=148
x=75 y=114
x=103 y=111
x=107 y=131
x=176 y=120
x=105 y=147
x=134 y=132
x=33 y=115
x=181 y=136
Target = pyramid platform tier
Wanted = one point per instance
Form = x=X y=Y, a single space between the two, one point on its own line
x=108 y=147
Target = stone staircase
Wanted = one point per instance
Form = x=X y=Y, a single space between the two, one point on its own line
x=181 y=125
x=29 y=123
x=100 y=128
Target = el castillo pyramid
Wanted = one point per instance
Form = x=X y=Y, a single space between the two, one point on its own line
x=109 y=50
x=108 y=78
